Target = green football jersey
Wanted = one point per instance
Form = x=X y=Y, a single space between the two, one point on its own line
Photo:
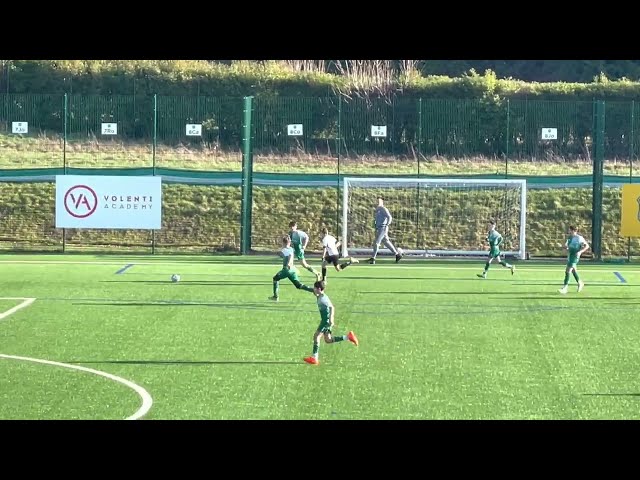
x=575 y=244
x=325 y=306
x=494 y=238
x=298 y=237
x=285 y=253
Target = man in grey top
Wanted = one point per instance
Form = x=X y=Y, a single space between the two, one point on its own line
x=382 y=221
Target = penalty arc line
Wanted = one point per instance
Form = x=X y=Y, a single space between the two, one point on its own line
x=147 y=401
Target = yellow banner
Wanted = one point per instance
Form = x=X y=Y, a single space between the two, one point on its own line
x=630 y=218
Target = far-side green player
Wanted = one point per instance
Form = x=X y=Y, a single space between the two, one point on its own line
x=327 y=321
x=299 y=241
x=576 y=245
x=495 y=239
x=288 y=270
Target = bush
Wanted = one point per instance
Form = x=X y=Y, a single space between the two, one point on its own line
x=470 y=115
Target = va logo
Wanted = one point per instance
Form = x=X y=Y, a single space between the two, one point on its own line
x=80 y=201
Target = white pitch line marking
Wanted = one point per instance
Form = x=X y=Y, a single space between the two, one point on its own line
x=147 y=401
x=25 y=303
x=521 y=267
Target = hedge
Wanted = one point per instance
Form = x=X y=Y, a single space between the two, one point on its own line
x=470 y=115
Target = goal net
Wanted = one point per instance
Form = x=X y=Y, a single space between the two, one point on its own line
x=435 y=216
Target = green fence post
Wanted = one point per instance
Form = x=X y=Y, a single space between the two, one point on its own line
x=6 y=109
x=506 y=158
x=418 y=184
x=631 y=154
x=631 y=144
x=419 y=133
x=247 y=177
x=393 y=126
x=598 y=177
x=153 y=158
x=339 y=153
x=65 y=117
x=4 y=75
x=155 y=131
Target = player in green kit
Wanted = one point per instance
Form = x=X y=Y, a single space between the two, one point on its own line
x=288 y=270
x=495 y=239
x=576 y=245
x=299 y=241
x=327 y=321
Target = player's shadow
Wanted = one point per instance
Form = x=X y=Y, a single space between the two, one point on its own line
x=212 y=258
x=593 y=284
x=611 y=394
x=512 y=295
x=188 y=362
x=188 y=282
x=240 y=306
x=431 y=292
x=413 y=279
x=569 y=296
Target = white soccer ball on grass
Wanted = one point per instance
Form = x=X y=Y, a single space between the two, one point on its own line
x=175 y=278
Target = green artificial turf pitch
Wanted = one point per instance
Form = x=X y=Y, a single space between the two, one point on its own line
x=436 y=342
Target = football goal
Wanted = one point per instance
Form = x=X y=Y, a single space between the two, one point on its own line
x=435 y=216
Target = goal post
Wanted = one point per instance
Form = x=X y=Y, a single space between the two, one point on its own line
x=435 y=216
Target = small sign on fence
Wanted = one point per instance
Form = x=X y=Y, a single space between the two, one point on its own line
x=549 y=134
x=379 y=131
x=194 y=129
x=109 y=129
x=19 y=127
x=294 y=130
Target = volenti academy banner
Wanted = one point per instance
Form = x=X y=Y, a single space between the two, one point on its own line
x=96 y=201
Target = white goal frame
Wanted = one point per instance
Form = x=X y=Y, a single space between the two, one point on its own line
x=426 y=182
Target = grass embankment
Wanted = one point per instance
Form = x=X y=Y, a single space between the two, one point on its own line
x=207 y=218
x=37 y=152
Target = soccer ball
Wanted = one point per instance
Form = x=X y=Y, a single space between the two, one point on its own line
x=400 y=251
x=175 y=278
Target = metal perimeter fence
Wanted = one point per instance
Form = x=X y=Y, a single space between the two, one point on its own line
x=236 y=170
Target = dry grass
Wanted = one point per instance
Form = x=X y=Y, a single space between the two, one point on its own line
x=34 y=152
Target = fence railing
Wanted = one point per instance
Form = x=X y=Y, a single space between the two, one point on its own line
x=310 y=137
x=333 y=125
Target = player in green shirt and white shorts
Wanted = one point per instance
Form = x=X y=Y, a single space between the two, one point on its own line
x=495 y=239
x=327 y=321
x=299 y=241
x=288 y=270
x=576 y=245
